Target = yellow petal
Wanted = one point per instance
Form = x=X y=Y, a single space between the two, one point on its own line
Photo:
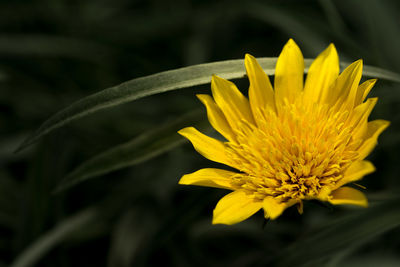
x=273 y=209
x=322 y=73
x=349 y=196
x=356 y=171
x=375 y=128
x=324 y=193
x=216 y=117
x=209 y=147
x=231 y=101
x=235 y=207
x=261 y=94
x=289 y=73
x=362 y=111
x=359 y=117
x=300 y=207
x=345 y=88
x=209 y=177
x=363 y=91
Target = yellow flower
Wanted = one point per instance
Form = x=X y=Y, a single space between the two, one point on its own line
x=292 y=143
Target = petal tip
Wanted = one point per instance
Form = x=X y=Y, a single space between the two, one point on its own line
x=373 y=100
x=248 y=56
x=201 y=97
x=371 y=82
x=332 y=49
x=216 y=79
x=214 y=222
x=218 y=220
x=185 y=130
x=248 y=60
x=359 y=62
x=372 y=167
x=386 y=124
x=182 y=180
x=291 y=42
x=354 y=68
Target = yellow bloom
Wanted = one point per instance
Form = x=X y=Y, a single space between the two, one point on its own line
x=291 y=143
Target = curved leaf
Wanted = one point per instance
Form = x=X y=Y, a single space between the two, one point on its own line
x=148 y=145
x=163 y=82
x=36 y=250
x=353 y=230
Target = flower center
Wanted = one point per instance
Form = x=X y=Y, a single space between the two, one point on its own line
x=299 y=154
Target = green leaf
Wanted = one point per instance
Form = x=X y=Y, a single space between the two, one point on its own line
x=372 y=259
x=148 y=145
x=131 y=234
x=353 y=230
x=41 y=246
x=375 y=72
x=163 y=82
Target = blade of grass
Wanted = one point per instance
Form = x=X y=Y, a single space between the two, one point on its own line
x=41 y=246
x=163 y=82
x=354 y=230
x=375 y=72
x=147 y=146
x=129 y=236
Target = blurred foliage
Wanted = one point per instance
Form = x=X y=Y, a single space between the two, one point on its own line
x=55 y=52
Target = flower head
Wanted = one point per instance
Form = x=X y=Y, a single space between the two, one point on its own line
x=289 y=143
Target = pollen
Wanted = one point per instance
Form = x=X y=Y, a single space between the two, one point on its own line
x=298 y=154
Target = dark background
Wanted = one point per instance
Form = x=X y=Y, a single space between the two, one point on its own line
x=55 y=52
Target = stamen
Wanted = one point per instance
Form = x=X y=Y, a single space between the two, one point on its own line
x=297 y=155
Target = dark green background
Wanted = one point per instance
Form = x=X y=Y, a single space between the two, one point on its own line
x=54 y=52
